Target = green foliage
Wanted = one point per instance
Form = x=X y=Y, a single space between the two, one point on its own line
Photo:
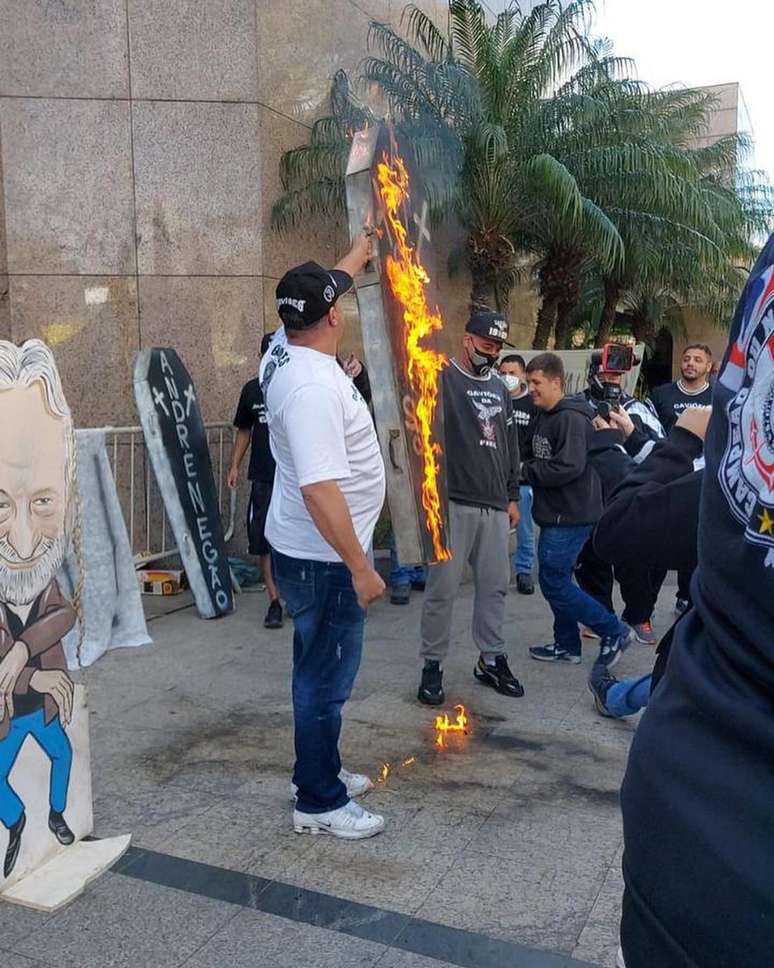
x=549 y=152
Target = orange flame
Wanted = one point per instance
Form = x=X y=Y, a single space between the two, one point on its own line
x=384 y=773
x=443 y=725
x=408 y=279
x=410 y=761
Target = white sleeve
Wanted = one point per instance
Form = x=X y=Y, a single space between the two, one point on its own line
x=314 y=423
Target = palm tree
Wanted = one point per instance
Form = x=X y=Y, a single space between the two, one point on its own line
x=471 y=106
x=312 y=175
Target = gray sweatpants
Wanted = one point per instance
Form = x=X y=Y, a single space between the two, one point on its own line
x=480 y=536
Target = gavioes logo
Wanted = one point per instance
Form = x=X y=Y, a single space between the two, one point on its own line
x=747 y=469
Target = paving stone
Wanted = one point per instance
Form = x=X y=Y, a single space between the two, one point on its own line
x=253 y=938
x=124 y=923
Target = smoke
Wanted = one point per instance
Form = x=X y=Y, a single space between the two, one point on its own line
x=20 y=585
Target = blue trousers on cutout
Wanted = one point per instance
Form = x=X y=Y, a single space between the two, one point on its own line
x=404 y=574
x=629 y=696
x=523 y=557
x=558 y=551
x=327 y=644
x=53 y=740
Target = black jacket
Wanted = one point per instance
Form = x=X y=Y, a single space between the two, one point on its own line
x=566 y=487
x=609 y=458
x=652 y=518
x=647 y=428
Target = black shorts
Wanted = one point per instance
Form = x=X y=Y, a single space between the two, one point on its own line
x=257 y=509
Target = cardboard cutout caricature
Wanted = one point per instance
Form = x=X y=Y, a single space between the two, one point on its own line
x=45 y=781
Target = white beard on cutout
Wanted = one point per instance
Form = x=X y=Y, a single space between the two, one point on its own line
x=21 y=586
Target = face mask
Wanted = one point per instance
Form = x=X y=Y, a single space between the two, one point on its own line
x=512 y=382
x=481 y=363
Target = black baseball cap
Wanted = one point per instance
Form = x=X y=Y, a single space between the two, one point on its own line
x=491 y=325
x=305 y=294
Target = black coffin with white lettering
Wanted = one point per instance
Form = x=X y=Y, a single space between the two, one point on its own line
x=177 y=443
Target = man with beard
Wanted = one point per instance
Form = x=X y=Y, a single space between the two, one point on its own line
x=36 y=484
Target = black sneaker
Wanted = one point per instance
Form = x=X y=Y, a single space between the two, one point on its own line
x=681 y=605
x=400 y=594
x=612 y=647
x=431 y=687
x=499 y=676
x=273 y=618
x=525 y=585
x=418 y=584
x=58 y=827
x=600 y=681
x=14 y=844
x=552 y=653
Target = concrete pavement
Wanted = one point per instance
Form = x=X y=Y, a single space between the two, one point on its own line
x=503 y=848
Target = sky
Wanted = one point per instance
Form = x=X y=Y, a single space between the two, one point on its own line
x=700 y=42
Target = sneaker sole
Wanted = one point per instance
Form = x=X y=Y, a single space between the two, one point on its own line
x=430 y=700
x=572 y=660
x=646 y=641
x=315 y=830
x=601 y=710
x=273 y=625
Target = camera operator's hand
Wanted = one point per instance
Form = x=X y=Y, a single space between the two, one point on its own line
x=695 y=420
x=599 y=423
x=621 y=420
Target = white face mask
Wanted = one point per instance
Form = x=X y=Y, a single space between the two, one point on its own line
x=512 y=382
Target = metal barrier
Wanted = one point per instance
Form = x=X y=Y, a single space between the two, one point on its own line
x=140 y=497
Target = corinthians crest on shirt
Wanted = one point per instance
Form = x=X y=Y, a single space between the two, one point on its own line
x=747 y=468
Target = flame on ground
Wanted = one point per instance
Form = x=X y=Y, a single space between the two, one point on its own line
x=408 y=279
x=384 y=773
x=410 y=761
x=443 y=725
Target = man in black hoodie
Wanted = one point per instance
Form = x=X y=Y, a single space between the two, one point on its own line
x=567 y=504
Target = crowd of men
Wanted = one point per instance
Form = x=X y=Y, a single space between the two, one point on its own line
x=613 y=485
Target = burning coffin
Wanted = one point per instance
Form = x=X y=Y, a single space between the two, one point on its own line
x=397 y=321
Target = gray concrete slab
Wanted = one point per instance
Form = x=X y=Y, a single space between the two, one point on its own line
x=253 y=938
x=124 y=923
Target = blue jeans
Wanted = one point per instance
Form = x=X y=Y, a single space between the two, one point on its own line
x=523 y=557
x=53 y=740
x=558 y=551
x=404 y=574
x=327 y=644
x=629 y=696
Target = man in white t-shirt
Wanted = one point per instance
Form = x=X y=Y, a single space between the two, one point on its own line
x=328 y=493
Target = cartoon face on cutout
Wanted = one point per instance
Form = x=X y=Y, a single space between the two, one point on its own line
x=35 y=471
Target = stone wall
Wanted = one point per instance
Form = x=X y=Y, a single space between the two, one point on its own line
x=140 y=142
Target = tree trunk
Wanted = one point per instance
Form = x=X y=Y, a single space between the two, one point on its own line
x=482 y=292
x=607 y=322
x=546 y=320
x=643 y=330
x=564 y=324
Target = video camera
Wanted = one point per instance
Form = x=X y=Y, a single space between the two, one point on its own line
x=612 y=358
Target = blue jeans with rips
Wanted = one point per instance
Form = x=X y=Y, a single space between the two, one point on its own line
x=327 y=645
x=558 y=550
x=523 y=557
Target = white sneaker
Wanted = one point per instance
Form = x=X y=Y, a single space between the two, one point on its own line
x=619 y=959
x=350 y=822
x=356 y=783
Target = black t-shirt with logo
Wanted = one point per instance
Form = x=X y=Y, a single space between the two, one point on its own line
x=671 y=399
x=524 y=411
x=251 y=415
x=482 y=443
